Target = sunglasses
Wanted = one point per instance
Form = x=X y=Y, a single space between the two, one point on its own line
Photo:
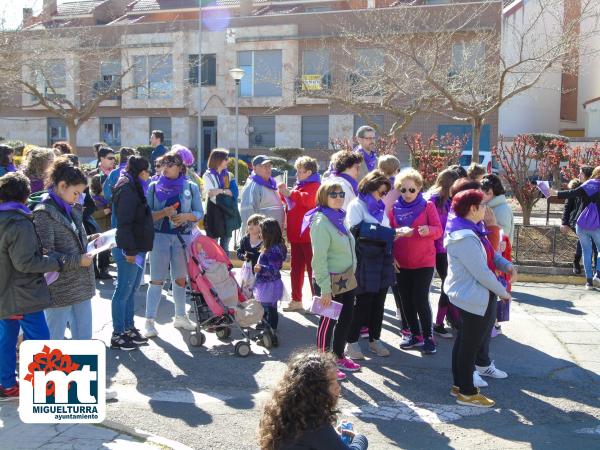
x=411 y=190
x=337 y=194
x=382 y=193
x=170 y=164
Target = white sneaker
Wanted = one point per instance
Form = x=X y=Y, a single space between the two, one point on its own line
x=478 y=381
x=377 y=347
x=184 y=322
x=596 y=281
x=150 y=329
x=294 y=306
x=353 y=351
x=491 y=371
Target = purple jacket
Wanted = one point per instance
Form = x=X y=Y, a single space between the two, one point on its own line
x=271 y=262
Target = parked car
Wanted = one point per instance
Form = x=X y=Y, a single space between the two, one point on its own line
x=485 y=158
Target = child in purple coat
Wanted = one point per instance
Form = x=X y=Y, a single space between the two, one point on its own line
x=269 y=289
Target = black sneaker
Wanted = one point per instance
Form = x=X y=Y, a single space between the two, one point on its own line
x=429 y=346
x=136 y=337
x=576 y=267
x=441 y=331
x=104 y=275
x=122 y=342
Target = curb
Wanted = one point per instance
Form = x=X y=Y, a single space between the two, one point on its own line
x=144 y=436
x=544 y=278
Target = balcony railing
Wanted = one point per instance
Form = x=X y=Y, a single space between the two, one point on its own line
x=102 y=86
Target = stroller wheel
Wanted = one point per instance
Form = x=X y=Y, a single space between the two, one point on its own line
x=197 y=339
x=242 y=349
x=223 y=333
x=266 y=341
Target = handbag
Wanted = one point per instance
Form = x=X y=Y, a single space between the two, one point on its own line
x=345 y=281
x=503 y=314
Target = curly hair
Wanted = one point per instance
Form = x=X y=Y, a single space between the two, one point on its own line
x=37 y=161
x=301 y=401
x=344 y=159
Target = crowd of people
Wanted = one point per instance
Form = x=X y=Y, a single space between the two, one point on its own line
x=363 y=228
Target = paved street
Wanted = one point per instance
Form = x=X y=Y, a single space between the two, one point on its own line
x=208 y=398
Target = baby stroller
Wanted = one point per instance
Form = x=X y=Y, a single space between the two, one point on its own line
x=218 y=302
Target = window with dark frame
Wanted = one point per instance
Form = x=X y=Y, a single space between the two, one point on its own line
x=209 y=70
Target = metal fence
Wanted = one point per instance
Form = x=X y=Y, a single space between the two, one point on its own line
x=543 y=245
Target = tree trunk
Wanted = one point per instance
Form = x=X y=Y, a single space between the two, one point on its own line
x=476 y=123
x=72 y=135
x=556 y=178
x=526 y=209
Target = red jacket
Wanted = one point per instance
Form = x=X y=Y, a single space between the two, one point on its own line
x=303 y=199
x=416 y=251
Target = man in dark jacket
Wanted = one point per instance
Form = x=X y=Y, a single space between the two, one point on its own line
x=24 y=290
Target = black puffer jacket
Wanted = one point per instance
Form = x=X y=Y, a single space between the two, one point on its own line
x=375 y=262
x=22 y=285
x=135 y=227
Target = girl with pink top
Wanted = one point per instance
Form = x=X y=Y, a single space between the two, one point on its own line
x=417 y=226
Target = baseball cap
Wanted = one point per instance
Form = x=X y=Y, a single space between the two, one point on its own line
x=260 y=159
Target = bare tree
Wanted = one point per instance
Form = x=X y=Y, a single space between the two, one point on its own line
x=70 y=73
x=462 y=61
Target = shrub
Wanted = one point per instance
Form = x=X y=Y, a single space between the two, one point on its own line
x=433 y=156
x=289 y=154
x=243 y=171
x=145 y=151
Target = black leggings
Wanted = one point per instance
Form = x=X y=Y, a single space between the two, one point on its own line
x=471 y=334
x=399 y=307
x=368 y=310
x=441 y=267
x=414 y=292
x=332 y=335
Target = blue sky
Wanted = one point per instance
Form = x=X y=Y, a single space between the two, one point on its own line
x=11 y=11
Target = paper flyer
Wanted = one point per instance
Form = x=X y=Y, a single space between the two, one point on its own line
x=544 y=187
x=105 y=241
x=332 y=311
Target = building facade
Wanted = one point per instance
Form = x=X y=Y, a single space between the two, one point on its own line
x=282 y=46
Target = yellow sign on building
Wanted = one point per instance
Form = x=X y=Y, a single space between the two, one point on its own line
x=312 y=82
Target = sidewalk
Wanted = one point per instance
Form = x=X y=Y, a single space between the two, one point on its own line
x=17 y=435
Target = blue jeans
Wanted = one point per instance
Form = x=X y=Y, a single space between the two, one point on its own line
x=585 y=238
x=78 y=316
x=129 y=277
x=34 y=328
x=167 y=250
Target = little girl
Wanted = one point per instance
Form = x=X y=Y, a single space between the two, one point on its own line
x=249 y=249
x=269 y=289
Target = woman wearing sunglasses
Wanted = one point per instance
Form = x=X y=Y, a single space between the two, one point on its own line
x=417 y=226
x=375 y=270
x=334 y=258
x=176 y=206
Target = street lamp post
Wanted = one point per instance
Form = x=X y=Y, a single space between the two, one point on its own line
x=237 y=74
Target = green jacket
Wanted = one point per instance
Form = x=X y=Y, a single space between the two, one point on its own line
x=333 y=252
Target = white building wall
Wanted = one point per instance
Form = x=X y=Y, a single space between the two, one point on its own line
x=226 y=132
x=28 y=130
x=180 y=131
x=89 y=133
x=341 y=126
x=288 y=131
x=537 y=109
x=589 y=86
x=135 y=131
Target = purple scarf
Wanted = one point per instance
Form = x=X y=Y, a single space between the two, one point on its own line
x=59 y=201
x=270 y=183
x=15 y=206
x=100 y=200
x=220 y=176
x=167 y=188
x=143 y=183
x=456 y=223
x=349 y=179
x=370 y=158
x=406 y=213
x=10 y=167
x=375 y=207
x=37 y=185
x=314 y=178
x=336 y=217
x=591 y=187
x=392 y=180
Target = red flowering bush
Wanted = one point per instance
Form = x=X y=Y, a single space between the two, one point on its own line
x=433 y=156
x=580 y=156
x=383 y=146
